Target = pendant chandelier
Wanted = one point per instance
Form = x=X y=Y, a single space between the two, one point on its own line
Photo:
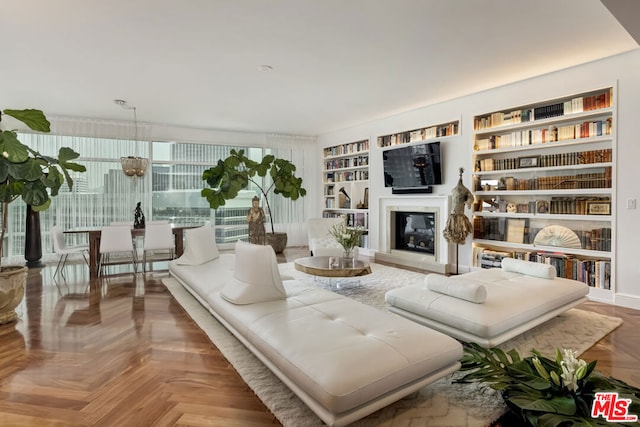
x=132 y=165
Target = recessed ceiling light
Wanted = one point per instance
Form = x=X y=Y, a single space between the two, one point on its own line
x=265 y=68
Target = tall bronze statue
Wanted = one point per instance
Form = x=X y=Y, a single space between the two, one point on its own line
x=256 y=219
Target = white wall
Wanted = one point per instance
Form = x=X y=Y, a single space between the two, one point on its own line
x=621 y=70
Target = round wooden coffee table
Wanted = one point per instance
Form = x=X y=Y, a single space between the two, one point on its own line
x=319 y=266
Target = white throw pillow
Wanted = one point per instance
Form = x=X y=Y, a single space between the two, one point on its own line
x=466 y=290
x=256 y=277
x=200 y=247
x=529 y=268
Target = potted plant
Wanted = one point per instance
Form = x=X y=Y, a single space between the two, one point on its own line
x=35 y=178
x=560 y=392
x=234 y=173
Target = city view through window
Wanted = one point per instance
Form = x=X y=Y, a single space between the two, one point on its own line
x=170 y=190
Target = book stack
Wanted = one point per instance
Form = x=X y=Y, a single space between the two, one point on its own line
x=492 y=259
x=573 y=205
x=578 y=181
x=547 y=111
x=490 y=228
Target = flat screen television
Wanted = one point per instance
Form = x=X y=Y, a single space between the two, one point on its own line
x=414 y=168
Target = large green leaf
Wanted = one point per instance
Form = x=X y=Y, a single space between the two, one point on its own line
x=523 y=372
x=214 y=197
x=266 y=165
x=501 y=356
x=76 y=167
x=4 y=170
x=214 y=174
x=16 y=151
x=35 y=194
x=564 y=405
x=31 y=170
x=35 y=119
x=42 y=207
x=9 y=191
x=54 y=180
x=65 y=154
x=232 y=162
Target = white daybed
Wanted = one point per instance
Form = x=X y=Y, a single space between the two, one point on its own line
x=488 y=306
x=342 y=358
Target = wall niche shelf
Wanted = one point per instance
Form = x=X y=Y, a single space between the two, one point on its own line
x=427 y=133
x=544 y=185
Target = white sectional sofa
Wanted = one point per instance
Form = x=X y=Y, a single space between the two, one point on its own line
x=342 y=358
x=489 y=306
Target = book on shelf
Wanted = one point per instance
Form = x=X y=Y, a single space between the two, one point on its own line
x=416 y=135
x=492 y=259
x=361 y=219
x=546 y=160
x=594 y=272
x=355 y=219
x=349 y=148
x=547 y=134
x=497 y=229
x=364 y=241
x=601 y=100
x=437 y=131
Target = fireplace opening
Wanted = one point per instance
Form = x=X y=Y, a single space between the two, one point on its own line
x=415 y=231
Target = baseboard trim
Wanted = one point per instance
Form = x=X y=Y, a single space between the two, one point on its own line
x=626 y=300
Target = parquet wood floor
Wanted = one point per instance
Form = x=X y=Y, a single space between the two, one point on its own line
x=119 y=351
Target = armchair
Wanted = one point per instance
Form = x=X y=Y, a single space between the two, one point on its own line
x=321 y=243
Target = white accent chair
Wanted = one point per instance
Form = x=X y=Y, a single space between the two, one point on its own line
x=136 y=240
x=116 y=239
x=60 y=248
x=158 y=238
x=321 y=243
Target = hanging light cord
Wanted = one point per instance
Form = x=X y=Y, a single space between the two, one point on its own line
x=135 y=121
x=123 y=104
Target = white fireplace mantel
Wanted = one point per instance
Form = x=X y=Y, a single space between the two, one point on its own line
x=437 y=203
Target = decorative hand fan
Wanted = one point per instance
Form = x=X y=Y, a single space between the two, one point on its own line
x=557 y=235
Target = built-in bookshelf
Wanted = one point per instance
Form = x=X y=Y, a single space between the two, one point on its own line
x=544 y=186
x=422 y=134
x=346 y=184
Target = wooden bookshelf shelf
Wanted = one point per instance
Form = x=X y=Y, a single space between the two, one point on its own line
x=542 y=168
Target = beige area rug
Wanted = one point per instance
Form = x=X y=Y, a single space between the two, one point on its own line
x=440 y=404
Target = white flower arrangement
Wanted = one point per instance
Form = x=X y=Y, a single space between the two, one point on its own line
x=347 y=237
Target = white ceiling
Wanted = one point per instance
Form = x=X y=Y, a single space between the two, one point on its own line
x=336 y=63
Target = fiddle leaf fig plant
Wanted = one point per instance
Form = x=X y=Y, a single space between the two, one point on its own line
x=28 y=174
x=234 y=173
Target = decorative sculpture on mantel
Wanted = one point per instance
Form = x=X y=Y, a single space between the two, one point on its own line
x=138 y=217
x=458 y=225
